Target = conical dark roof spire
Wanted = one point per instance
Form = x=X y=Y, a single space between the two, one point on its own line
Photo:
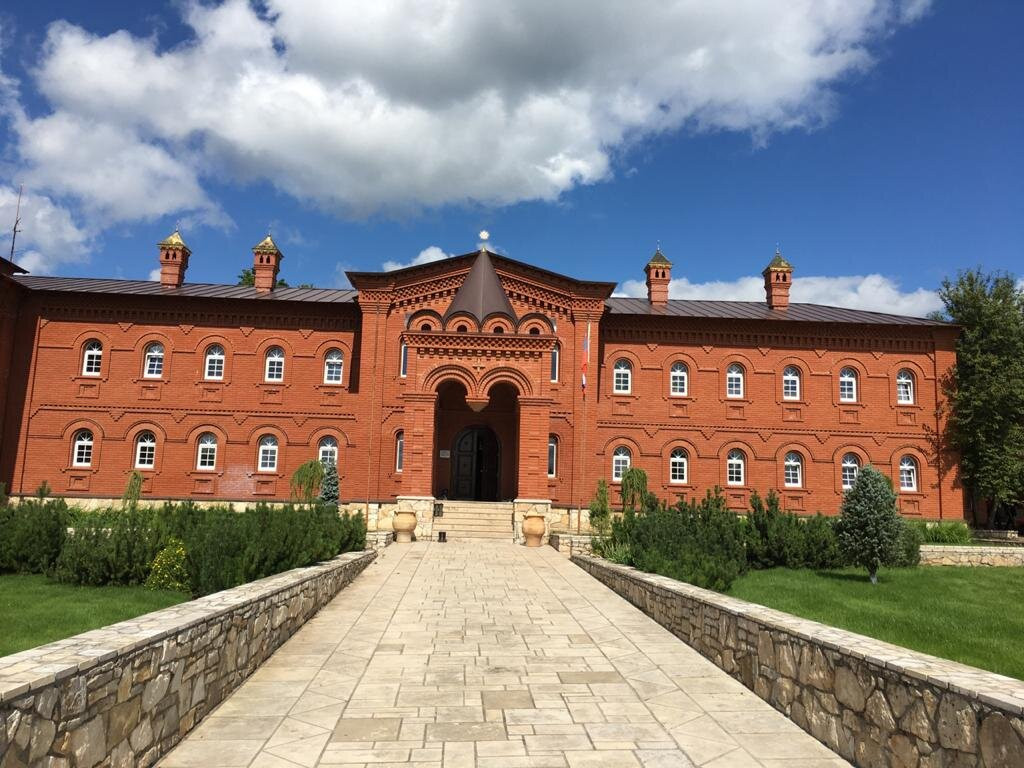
x=481 y=293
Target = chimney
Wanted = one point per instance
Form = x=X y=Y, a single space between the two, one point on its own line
x=266 y=262
x=778 y=277
x=659 y=275
x=173 y=260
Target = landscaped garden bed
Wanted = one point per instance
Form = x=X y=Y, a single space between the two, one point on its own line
x=35 y=610
x=958 y=613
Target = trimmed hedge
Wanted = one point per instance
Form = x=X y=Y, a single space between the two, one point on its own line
x=223 y=547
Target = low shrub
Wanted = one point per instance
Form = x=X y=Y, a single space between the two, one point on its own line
x=32 y=534
x=821 y=543
x=697 y=542
x=908 y=546
x=777 y=539
x=955 y=532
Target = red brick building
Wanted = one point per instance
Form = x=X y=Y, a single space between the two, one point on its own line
x=461 y=379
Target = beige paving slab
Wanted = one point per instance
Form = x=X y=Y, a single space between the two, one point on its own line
x=477 y=654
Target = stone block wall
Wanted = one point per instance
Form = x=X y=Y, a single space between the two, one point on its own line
x=876 y=704
x=125 y=694
x=943 y=554
x=571 y=543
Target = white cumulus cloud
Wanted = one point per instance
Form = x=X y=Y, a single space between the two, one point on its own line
x=48 y=235
x=875 y=293
x=397 y=105
x=427 y=255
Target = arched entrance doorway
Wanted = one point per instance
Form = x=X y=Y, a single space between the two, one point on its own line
x=477 y=443
x=476 y=465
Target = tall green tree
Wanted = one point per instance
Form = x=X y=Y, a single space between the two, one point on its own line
x=986 y=388
x=869 y=526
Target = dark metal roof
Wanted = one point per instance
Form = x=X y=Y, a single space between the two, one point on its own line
x=189 y=290
x=481 y=294
x=757 y=310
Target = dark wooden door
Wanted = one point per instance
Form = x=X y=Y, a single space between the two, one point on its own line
x=476 y=464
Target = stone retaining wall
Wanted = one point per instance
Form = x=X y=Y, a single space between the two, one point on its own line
x=125 y=694
x=876 y=704
x=571 y=543
x=944 y=554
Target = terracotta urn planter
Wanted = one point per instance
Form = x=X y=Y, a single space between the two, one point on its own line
x=533 y=529
x=403 y=523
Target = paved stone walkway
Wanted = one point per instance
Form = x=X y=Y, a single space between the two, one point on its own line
x=478 y=654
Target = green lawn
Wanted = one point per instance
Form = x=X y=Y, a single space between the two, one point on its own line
x=35 y=610
x=972 y=615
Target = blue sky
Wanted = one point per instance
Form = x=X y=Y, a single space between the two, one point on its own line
x=878 y=142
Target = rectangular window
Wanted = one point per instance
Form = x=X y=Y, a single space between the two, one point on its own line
x=404 y=362
x=146 y=457
x=332 y=373
x=92 y=364
x=215 y=367
x=904 y=393
x=848 y=390
x=849 y=477
x=399 y=452
x=154 y=367
x=735 y=473
x=622 y=382
x=268 y=458
x=275 y=369
x=83 y=454
x=790 y=388
x=792 y=476
x=678 y=471
x=619 y=466
x=552 y=458
x=207 y=457
x=734 y=386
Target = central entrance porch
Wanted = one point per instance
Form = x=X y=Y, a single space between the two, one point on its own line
x=476 y=444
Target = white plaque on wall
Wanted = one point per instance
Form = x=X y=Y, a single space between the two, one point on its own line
x=445 y=453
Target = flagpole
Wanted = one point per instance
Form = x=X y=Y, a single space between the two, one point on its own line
x=583 y=434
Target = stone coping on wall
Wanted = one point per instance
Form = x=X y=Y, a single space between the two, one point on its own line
x=126 y=693
x=863 y=697
x=977 y=555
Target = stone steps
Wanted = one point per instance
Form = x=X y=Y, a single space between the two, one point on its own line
x=474 y=520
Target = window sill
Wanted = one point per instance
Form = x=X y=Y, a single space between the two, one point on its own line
x=324 y=386
x=90 y=469
x=736 y=400
x=90 y=379
x=625 y=396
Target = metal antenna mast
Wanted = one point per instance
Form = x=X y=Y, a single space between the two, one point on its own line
x=17 y=221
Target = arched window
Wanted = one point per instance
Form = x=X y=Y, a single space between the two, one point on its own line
x=552 y=455
x=153 y=365
x=677 y=461
x=677 y=380
x=905 y=387
x=334 y=362
x=735 y=467
x=399 y=451
x=267 y=458
x=92 y=358
x=403 y=362
x=734 y=380
x=793 y=470
x=274 y=369
x=81 y=450
x=908 y=473
x=145 y=450
x=555 y=353
x=847 y=385
x=791 y=383
x=850 y=470
x=214 y=368
x=462 y=329
x=535 y=331
x=621 y=459
x=498 y=329
x=206 y=453
x=425 y=326
x=328 y=451
x=622 y=377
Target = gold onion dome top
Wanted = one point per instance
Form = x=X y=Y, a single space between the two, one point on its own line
x=267 y=244
x=778 y=262
x=659 y=259
x=173 y=239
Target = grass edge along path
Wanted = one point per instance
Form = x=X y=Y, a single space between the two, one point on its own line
x=35 y=610
x=969 y=615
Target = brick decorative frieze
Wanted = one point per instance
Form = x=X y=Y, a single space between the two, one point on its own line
x=876 y=704
x=127 y=693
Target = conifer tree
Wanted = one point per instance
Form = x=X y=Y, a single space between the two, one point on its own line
x=329 y=486
x=869 y=526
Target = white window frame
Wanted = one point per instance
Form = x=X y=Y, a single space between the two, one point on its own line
x=734 y=381
x=848 y=385
x=622 y=377
x=334 y=366
x=92 y=358
x=678 y=380
x=327 y=451
x=145 y=450
x=736 y=468
x=403 y=361
x=905 y=387
x=206 y=452
x=908 y=474
x=622 y=460
x=790 y=383
x=849 y=469
x=82 y=448
x=267 y=454
x=793 y=470
x=153 y=361
x=399 y=450
x=678 y=466
x=552 y=455
x=556 y=352
x=273 y=366
x=214 y=359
